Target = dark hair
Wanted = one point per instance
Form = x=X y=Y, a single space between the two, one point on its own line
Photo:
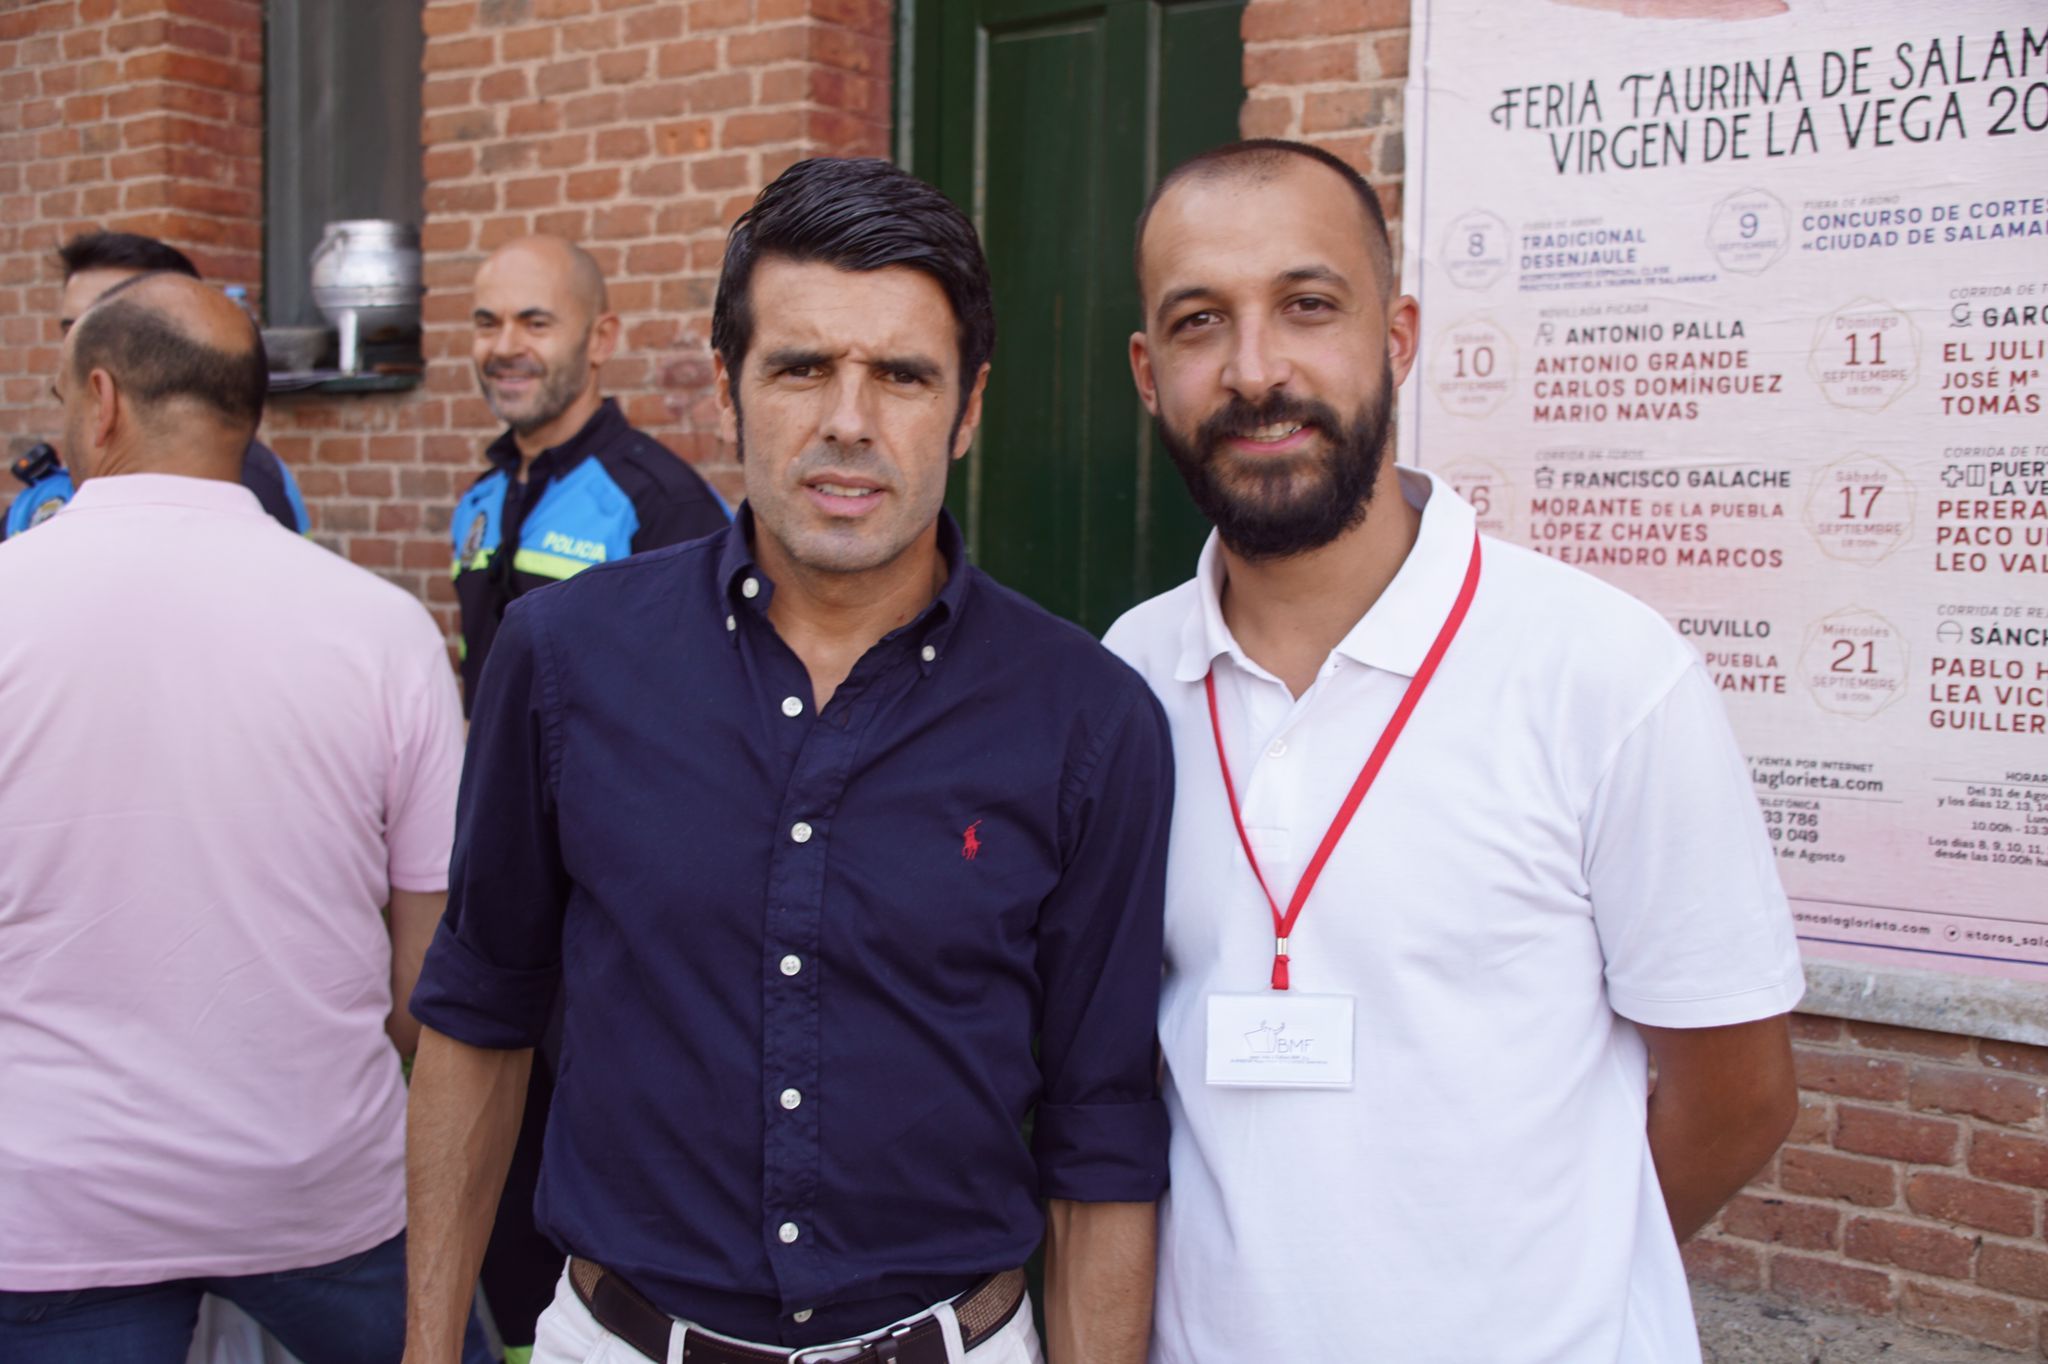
x=122 y=251
x=154 y=359
x=1263 y=156
x=857 y=214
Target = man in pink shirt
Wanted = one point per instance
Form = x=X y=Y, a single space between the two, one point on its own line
x=225 y=751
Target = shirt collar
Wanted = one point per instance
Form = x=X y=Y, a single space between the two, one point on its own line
x=604 y=424
x=165 y=490
x=1396 y=633
x=932 y=627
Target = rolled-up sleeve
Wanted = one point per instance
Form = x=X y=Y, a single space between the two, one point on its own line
x=1100 y=1131
x=492 y=972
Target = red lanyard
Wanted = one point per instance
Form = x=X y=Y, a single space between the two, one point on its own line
x=1283 y=924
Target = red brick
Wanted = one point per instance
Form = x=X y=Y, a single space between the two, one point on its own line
x=1996 y=1321
x=1826 y=1283
x=1777 y=1221
x=1811 y=1126
x=1269 y=19
x=2009 y=1159
x=591 y=35
x=588 y=186
x=2013 y=1056
x=2014 y=1269
x=1995 y=1098
x=1300 y=65
x=1922 y=1249
x=1849 y=1073
x=1972 y=1203
x=1868 y=1183
x=1392 y=54
x=1896 y=1136
x=464 y=54
x=563 y=78
x=753 y=130
x=1917 y=1042
x=621 y=68
x=502 y=87
x=686 y=58
x=1811 y=1028
x=527 y=45
x=1271 y=116
x=1735 y=1267
x=1359 y=107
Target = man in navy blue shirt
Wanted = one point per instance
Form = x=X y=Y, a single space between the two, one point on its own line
x=846 y=861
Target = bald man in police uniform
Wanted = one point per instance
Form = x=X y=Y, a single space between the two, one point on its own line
x=570 y=483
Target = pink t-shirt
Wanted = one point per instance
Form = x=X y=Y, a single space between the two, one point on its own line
x=221 y=747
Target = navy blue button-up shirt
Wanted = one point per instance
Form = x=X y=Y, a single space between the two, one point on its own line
x=817 y=967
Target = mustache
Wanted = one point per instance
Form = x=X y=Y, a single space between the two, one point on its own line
x=525 y=369
x=1240 y=417
x=852 y=460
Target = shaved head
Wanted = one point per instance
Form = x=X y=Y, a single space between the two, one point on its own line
x=1260 y=161
x=569 y=263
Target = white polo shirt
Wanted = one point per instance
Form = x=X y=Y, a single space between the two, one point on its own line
x=1563 y=840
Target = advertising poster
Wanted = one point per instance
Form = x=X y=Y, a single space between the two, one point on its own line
x=1742 y=305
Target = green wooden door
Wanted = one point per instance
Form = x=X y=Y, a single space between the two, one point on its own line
x=1049 y=121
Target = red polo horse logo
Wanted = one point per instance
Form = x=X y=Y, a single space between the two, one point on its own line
x=970 y=845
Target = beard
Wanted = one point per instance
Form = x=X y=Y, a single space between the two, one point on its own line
x=558 y=389
x=1274 y=507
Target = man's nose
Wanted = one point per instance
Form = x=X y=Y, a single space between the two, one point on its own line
x=1257 y=364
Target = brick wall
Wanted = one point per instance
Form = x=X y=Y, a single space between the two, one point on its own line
x=1913 y=1185
x=143 y=116
x=638 y=127
x=1331 y=72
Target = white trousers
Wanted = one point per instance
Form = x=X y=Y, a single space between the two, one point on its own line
x=567 y=1334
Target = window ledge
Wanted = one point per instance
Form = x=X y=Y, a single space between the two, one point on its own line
x=325 y=382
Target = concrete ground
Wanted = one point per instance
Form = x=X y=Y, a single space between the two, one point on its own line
x=1736 y=1328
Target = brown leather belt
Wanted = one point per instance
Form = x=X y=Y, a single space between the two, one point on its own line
x=619 y=1308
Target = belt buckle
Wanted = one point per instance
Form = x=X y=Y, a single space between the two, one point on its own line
x=883 y=1349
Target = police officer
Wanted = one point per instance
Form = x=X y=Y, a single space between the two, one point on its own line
x=95 y=262
x=570 y=483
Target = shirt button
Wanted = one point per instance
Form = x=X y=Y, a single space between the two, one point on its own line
x=787 y=1233
x=792 y=964
x=1278 y=749
x=750 y=588
x=800 y=832
x=928 y=653
x=732 y=623
x=792 y=707
x=800 y=1317
x=791 y=1098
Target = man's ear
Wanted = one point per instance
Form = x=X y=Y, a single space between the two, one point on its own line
x=1404 y=336
x=108 y=409
x=604 y=339
x=1141 y=373
x=721 y=396
x=970 y=415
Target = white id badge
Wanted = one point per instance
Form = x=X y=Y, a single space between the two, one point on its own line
x=1278 y=1039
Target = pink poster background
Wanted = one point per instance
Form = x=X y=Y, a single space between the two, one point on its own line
x=1743 y=306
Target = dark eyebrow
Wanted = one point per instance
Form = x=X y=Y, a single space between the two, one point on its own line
x=916 y=366
x=1314 y=274
x=1180 y=296
x=794 y=357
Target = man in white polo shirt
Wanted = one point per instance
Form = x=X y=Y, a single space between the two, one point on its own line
x=1462 y=844
x=226 y=751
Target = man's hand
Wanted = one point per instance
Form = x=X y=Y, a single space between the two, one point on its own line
x=1099 y=1261
x=413 y=915
x=461 y=1122
x=1725 y=1099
